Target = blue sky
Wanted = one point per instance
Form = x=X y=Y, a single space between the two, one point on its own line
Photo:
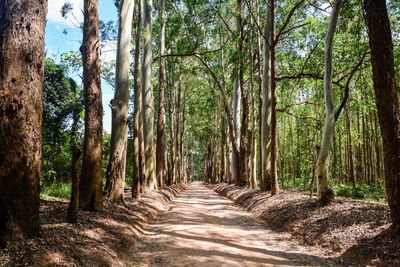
x=57 y=42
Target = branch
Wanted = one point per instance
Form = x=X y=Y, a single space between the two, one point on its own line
x=254 y=20
x=225 y=100
x=193 y=53
x=306 y=76
x=221 y=17
x=347 y=87
x=299 y=117
x=298 y=104
x=295 y=27
x=287 y=21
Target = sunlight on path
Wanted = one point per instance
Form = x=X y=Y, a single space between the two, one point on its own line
x=202 y=228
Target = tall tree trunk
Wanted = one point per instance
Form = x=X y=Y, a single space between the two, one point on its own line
x=266 y=104
x=325 y=193
x=223 y=152
x=160 y=162
x=260 y=104
x=22 y=27
x=90 y=189
x=138 y=151
x=273 y=174
x=253 y=141
x=119 y=106
x=181 y=139
x=147 y=98
x=387 y=101
x=177 y=129
x=241 y=178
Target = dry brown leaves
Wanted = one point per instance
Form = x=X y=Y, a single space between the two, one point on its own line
x=353 y=232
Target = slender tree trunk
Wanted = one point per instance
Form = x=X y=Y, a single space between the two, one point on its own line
x=223 y=152
x=273 y=174
x=236 y=127
x=160 y=162
x=325 y=193
x=119 y=106
x=147 y=98
x=181 y=139
x=387 y=101
x=243 y=155
x=76 y=154
x=138 y=179
x=260 y=104
x=22 y=27
x=177 y=129
x=351 y=154
x=266 y=104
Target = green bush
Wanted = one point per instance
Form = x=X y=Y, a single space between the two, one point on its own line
x=360 y=191
x=61 y=190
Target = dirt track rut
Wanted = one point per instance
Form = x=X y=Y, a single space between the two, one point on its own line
x=202 y=228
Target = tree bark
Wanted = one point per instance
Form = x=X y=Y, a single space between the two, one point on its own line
x=160 y=162
x=266 y=104
x=22 y=27
x=76 y=154
x=325 y=193
x=387 y=101
x=119 y=106
x=138 y=151
x=273 y=174
x=236 y=128
x=90 y=189
x=147 y=98
x=241 y=178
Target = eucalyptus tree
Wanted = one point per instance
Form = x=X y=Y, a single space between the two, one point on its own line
x=160 y=160
x=147 y=97
x=90 y=188
x=387 y=101
x=325 y=193
x=22 y=56
x=266 y=104
x=119 y=106
x=138 y=172
x=236 y=107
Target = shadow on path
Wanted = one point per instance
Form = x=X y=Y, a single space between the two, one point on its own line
x=202 y=228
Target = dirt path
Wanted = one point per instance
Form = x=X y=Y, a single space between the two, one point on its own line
x=202 y=228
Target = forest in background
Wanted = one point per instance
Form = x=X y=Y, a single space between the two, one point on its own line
x=356 y=163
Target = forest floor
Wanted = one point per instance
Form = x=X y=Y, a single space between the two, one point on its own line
x=353 y=233
x=102 y=238
x=192 y=225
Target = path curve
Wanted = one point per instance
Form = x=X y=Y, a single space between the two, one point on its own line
x=202 y=228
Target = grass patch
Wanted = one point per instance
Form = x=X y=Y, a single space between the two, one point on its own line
x=61 y=190
x=360 y=191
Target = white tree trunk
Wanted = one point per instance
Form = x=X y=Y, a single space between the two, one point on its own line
x=325 y=193
x=119 y=106
x=236 y=125
x=147 y=98
x=266 y=104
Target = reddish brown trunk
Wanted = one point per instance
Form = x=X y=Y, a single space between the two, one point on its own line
x=273 y=175
x=387 y=101
x=138 y=151
x=90 y=196
x=74 y=201
x=22 y=26
x=160 y=161
x=242 y=179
